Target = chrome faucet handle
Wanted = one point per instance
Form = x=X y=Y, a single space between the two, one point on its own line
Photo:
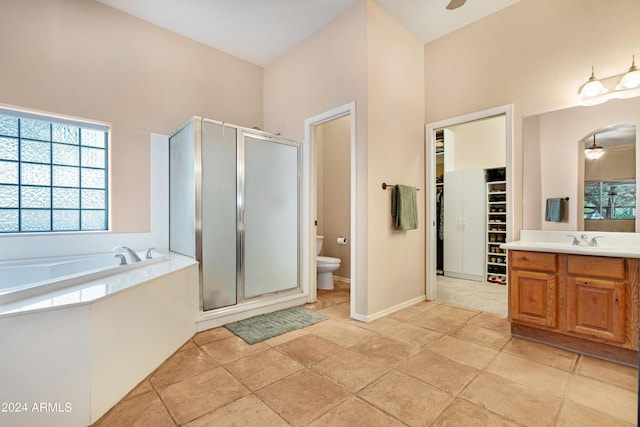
x=122 y=260
x=148 y=254
x=575 y=240
x=134 y=256
x=593 y=241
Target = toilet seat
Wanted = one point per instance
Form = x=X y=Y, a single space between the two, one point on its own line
x=327 y=260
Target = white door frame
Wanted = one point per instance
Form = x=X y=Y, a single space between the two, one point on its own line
x=430 y=181
x=309 y=199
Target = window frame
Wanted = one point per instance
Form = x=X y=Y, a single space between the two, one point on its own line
x=83 y=127
x=600 y=207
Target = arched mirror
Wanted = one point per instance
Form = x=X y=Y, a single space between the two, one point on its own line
x=609 y=191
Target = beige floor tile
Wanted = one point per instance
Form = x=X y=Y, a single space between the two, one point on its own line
x=211 y=335
x=530 y=373
x=341 y=333
x=263 y=368
x=196 y=396
x=572 y=415
x=606 y=398
x=412 y=334
x=189 y=344
x=482 y=335
x=609 y=372
x=340 y=311
x=355 y=412
x=475 y=355
x=438 y=371
x=247 y=411
x=231 y=348
x=336 y=296
x=551 y=356
x=425 y=305
x=144 y=387
x=181 y=365
x=492 y=321
x=406 y=398
x=465 y=414
x=454 y=313
x=281 y=339
x=432 y=320
x=513 y=400
x=404 y=314
x=145 y=410
x=302 y=397
x=350 y=370
x=309 y=349
x=378 y=325
x=384 y=350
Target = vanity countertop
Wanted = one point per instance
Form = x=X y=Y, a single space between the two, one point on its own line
x=625 y=245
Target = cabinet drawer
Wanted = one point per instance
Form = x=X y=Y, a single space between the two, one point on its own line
x=610 y=268
x=539 y=261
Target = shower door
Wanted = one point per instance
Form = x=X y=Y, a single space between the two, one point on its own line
x=233 y=206
x=269 y=216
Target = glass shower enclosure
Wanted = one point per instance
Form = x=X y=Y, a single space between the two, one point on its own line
x=234 y=207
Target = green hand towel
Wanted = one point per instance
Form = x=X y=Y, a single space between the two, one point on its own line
x=404 y=207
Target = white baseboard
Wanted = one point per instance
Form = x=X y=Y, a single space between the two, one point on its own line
x=387 y=311
x=342 y=279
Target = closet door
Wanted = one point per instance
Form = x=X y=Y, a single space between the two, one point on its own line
x=453 y=185
x=464 y=224
x=474 y=209
x=270 y=217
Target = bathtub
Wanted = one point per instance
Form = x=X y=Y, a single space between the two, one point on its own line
x=78 y=333
x=26 y=278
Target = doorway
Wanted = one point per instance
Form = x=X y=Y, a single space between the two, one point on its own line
x=467 y=165
x=319 y=181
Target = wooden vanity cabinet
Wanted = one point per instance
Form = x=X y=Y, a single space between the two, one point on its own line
x=586 y=303
x=596 y=297
x=533 y=288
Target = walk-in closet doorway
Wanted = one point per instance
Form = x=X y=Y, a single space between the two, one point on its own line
x=471 y=286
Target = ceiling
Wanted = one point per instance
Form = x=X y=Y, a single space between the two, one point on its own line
x=261 y=30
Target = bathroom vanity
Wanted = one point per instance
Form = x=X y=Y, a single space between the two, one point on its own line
x=582 y=298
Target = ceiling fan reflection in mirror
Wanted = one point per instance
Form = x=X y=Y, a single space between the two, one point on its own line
x=454 y=4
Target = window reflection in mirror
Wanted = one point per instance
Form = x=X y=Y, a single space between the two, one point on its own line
x=610 y=180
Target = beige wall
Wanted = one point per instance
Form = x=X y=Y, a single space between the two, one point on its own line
x=395 y=149
x=366 y=57
x=84 y=59
x=480 y=144
x=325 y=71
x=534 y=54
x=333 y=144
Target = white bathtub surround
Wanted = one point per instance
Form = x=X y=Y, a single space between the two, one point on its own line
x=609 y=243
x=86 y=346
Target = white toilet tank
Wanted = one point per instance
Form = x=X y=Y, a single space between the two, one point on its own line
x=319 y=240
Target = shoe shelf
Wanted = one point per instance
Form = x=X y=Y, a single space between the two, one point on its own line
x=496 y=271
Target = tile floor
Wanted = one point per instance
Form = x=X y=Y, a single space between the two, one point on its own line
x=483 y=296
x=432 y=364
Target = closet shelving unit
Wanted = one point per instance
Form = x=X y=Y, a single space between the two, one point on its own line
x=496 y=226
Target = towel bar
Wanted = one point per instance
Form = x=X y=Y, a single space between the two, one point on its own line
x=385 y=185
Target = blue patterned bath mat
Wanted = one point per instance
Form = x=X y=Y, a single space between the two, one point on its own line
x=265 y=326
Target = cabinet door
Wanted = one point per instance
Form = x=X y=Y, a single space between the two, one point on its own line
x=533 y=298
x=595 y=308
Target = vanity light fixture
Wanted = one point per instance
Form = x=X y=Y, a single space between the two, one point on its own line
x=596 y=91
x=632 y=78
x=594 y=151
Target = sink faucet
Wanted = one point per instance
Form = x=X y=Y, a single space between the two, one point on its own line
x=134 y=256
x=584 y=240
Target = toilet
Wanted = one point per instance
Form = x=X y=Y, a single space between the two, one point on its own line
x=326 y=266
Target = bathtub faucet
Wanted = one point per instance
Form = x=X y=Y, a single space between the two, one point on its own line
x=134 y=256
